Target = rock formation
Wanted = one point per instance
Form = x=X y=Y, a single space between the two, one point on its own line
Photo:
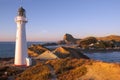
x=47 y=55
x=111 y=37
x=35 y=50
x=64 y=52
x=68 y=38
x=7 y=70
x=87 y=41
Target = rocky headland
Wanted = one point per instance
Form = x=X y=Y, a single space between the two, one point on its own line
x=108 y=43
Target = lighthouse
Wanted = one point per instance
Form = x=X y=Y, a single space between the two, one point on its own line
x=21 y=44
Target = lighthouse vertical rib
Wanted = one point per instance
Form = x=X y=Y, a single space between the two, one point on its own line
x=21 y=44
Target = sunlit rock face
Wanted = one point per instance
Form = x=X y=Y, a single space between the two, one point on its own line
x=35 y=50
x=47 y=55
x=64 y=52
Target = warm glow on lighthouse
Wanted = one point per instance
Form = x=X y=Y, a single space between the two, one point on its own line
x=21 y=44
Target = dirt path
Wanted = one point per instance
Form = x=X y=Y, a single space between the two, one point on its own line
x=54 y=77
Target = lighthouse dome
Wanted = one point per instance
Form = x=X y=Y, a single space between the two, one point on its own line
x=21 y=12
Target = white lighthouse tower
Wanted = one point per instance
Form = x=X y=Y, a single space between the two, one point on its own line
x=21 y=44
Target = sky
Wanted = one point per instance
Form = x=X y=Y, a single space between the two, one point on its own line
x=49 y=20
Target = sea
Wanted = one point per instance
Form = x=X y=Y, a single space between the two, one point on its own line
x=7 y=49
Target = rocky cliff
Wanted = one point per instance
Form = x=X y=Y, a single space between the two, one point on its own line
x=68 y=38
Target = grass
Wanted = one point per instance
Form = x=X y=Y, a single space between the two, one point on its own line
x=69 y=69
x=73 y=74
x=38 y=72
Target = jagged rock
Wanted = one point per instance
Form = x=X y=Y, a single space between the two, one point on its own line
x=87 y=41
x=9 y=71
x=4 y=68
x=35 y=50
x=68 y=38
x=47 y=55
x=63 y=52
x=32 y=53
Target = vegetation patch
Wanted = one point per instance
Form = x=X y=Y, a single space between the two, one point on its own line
x=69 y=69
x=38 y=72
x=73 y=74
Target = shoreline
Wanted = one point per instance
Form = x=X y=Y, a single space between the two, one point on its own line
x=98 y=50
x=82 y=50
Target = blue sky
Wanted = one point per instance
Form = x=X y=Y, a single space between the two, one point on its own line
x=49 y=20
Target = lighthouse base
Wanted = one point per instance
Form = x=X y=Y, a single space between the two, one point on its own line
x=20 y=65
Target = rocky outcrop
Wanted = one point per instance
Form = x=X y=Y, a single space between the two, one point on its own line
x=111 y=37
x=60 y=52
x=35 y=50
x=47 y=55
x=64 y=52
x=87 y=41
x=69 y=39
x=7 y=70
